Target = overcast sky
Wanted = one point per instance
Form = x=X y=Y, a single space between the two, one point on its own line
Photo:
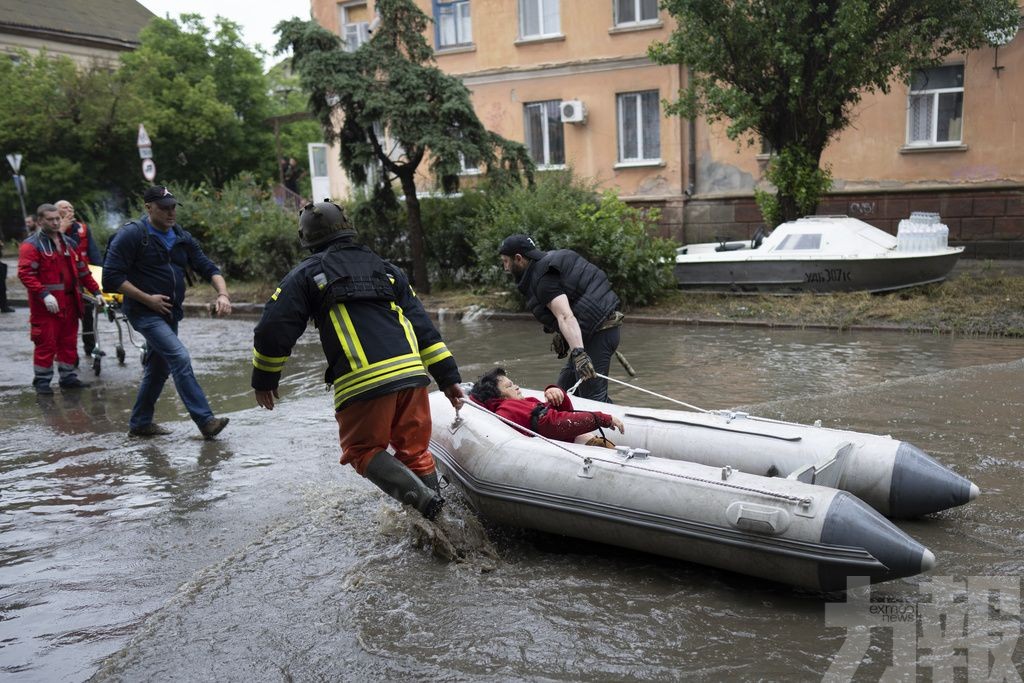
x=256 y=17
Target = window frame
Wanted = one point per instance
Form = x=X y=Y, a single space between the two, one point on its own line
x=637 y=4
x=934 y=94
x=362 y=27
x=620 y=99
x=545 y=32
x=546 y=165
x=455 y=5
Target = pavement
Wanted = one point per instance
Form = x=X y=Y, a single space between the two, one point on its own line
x=17 y=296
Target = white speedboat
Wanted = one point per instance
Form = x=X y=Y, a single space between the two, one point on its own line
x=821 y=254
x=778 y=528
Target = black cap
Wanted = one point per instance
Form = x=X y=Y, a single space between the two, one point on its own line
x=520 y=244
x=159 y=195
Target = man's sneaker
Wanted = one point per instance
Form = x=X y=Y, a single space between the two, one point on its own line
x=74 y=384
x=152 y=429
x=44 y=389
x=213 y=427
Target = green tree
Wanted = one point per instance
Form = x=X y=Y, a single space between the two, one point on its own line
x=203 y=99
x=298 y=127
x=397 y=109
x=792 y=72
x=71 y=126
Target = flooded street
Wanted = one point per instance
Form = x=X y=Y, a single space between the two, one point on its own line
x=258 y=557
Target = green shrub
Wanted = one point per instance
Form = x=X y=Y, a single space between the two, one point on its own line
x=560 y=212
x=241 y=228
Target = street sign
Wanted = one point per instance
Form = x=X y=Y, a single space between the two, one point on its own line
x=148 y=169
x=145 y=152
x=15 y=161
x=143 y=139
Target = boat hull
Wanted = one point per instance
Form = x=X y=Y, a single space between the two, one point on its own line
x=778 y=529
x=819 y=275
x=892 y=476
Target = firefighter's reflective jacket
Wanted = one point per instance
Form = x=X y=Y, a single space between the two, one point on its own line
x=374 y=331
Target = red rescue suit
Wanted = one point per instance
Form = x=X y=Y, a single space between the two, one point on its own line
x=52 y=266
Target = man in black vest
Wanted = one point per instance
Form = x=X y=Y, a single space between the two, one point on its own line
x=572 y=298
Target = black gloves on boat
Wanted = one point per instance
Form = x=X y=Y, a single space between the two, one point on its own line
x=584 y=366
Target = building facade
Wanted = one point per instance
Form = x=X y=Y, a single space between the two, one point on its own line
x=90 y=33
x=571 y=79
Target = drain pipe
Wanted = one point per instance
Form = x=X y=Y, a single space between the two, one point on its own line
x=691 y=144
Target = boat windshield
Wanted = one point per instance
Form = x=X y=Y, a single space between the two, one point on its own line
x=802 y=241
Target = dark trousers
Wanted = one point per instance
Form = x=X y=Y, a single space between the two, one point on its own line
x=3 y=285
x=600 y=347
x=88 y=328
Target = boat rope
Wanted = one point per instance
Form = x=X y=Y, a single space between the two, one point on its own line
x=803 y=501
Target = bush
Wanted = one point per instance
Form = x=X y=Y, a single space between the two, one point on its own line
x=241 y=228
x=563 y=213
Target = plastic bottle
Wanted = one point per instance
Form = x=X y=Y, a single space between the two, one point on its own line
x=902 y=231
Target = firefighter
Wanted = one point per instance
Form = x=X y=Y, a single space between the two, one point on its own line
x=49 y=267
x=381 y=350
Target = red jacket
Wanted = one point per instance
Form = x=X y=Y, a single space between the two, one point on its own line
x=561 y=423
x=52 y=266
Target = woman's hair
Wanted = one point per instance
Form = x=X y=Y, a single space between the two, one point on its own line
x=486 y=388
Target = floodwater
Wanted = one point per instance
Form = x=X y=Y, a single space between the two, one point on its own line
x=258 y=557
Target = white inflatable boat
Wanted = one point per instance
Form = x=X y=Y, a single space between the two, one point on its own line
x=894 y=477
x=776 y=528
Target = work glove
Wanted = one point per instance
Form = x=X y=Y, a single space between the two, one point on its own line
x=584 y=366
x=101 y=304
x=559 y=345
x=51 y=303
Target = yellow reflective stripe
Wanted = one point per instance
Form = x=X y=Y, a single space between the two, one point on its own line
x=346 y=334
x=375 y=369
x=268 y=363
x=436 y=353
x=410 y=334
x=401 y=372
x=273 y=297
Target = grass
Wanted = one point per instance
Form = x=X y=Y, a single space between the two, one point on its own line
x=982 y=301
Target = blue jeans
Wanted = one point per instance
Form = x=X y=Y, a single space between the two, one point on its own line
x=166 y=356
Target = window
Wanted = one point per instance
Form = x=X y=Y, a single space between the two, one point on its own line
x=936 y=108
x=538 y=18
x=452 y=23
x=544 y=137
x=635 y=11
x=639 y=127
x=355 y=25
x=798 y=242
x=468 y=167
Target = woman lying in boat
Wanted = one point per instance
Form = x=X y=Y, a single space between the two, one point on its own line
x=554 y=418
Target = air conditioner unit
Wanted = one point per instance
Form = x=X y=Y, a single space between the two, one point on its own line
x=573 y=111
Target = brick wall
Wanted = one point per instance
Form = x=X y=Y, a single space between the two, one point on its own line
x=989 y=222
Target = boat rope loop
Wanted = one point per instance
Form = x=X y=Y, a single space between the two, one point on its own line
x=803 y=501
x=574 y=387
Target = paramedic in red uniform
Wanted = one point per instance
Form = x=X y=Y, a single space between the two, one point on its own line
x=89 y=252
x=53 y=274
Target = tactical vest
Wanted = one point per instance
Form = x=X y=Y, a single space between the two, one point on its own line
x=590 y=294
x=351 y=273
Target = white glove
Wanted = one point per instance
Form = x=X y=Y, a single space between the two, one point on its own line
x=51 y=303
x=100 y=304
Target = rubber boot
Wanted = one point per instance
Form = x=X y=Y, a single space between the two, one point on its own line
x=398 y=481
x=431 y=481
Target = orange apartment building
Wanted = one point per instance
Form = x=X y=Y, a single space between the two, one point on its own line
x=572 y=80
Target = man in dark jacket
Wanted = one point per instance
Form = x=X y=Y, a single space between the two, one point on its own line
x=148 y=261
x=381 y=349
x=572 y=298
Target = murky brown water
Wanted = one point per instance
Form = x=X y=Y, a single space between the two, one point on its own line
x=257 y=557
